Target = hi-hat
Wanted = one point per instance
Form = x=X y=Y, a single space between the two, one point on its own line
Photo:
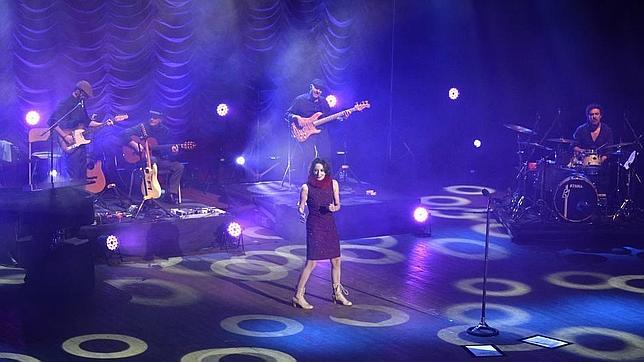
x=520 y=129
x=561 y=140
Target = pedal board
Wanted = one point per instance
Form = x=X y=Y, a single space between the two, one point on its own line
x=196 y=212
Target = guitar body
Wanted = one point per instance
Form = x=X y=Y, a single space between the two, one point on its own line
x=95 y=173
x=131 y=155
x=306 y=129
x=150 y=187
x=78 y=135
x=79 y=140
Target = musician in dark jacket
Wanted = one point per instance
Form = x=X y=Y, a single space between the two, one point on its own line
x=72 y=115
x=317 y=145
x=162 y=153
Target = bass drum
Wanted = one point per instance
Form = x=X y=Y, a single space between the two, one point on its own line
x=575 y=199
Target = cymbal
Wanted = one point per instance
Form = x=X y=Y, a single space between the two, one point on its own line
x=616 y=146
x=520 y=129
x=536 y=145
x=561 y=140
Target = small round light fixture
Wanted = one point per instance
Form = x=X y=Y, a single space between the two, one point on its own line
x=234 y=229
x=453 y=93
x=222 y=109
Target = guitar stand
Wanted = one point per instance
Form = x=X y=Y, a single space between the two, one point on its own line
x=158 y=205
x=119 y=194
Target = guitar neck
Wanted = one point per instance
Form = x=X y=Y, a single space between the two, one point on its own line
x=332 y=117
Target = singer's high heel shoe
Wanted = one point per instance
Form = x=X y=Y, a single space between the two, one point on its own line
x=299 y=301
x=338 y=295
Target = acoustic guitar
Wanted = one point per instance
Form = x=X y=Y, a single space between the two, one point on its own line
x=307 y=126
x=96 y=176
x=130 y=155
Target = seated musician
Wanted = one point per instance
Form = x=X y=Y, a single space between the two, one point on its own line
x=593 y=133
x=161 y=153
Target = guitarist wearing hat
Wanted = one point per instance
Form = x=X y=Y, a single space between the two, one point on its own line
x=161 y=153
x=73 y=116
x=318 y=145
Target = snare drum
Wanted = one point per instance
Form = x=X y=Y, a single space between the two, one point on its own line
x=591 y=159
x=575 y=199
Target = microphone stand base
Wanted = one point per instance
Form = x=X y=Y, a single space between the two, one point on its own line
x=483 y=330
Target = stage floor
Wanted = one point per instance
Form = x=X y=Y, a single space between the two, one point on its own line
x=413 y=297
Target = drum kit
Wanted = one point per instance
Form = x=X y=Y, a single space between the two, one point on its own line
x=555 y=183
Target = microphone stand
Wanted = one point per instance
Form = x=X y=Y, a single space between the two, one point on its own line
x=51 y=140
x=483 y=329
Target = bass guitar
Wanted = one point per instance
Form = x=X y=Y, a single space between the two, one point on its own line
x=303 y=128
x=79 y=134
x=150 y=187
x=130 y=155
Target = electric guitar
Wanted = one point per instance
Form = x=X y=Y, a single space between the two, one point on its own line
x=307 y=126
x=130 y=155
x=150 y=187
x=79 y=135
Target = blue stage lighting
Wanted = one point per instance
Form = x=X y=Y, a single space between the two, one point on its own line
x=234 y=229
x=111 y=242
x=477 y=143
x=240 y=160
x=222 y=109
x=421 y=214
x=331 y=100
x=453 y=94
x=32 y=118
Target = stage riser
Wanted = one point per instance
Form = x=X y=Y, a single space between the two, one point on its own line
x=352 y=221
x=162 y=238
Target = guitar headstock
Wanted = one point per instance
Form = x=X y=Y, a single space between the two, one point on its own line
x=362 y=105
x=143 y=131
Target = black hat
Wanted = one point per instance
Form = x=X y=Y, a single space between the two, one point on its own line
x=156 y=114
x=319 y=84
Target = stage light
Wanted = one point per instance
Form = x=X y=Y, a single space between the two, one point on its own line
x=53 y=173
x=331 y=100
x=32 y=118
x=111 y=242
x=477 y=143
x=222 y=109
x=453 y=93
x=234 y=229
x=230 y=237
x=240 y=160
x=421 y=214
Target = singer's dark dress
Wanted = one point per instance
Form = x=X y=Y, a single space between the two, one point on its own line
x=322 y=241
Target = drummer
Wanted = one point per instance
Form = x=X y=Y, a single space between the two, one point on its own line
x=593 y=133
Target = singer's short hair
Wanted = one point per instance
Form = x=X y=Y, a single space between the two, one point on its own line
x=592 y=106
